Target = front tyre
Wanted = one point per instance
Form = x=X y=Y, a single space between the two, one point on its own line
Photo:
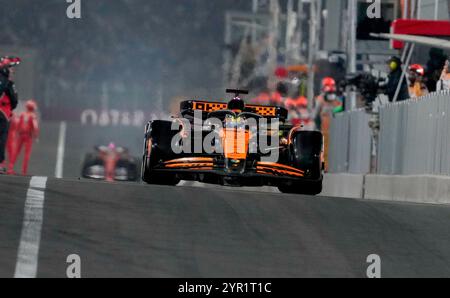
x=149 y=160
x=303 y=188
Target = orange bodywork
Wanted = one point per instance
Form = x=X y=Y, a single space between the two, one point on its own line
x=207 y=163
x=235 y=143
x=217 y=106
x=272 y=167
x=191 y=160
x=209 y=106
x=198 y=163
x=189 y=165
x=264 y=111
x=271 y=171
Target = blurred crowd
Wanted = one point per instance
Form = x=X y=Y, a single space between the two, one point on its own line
x=401 y=83
x=420 y=79
x=288 y=88
x=121 y=49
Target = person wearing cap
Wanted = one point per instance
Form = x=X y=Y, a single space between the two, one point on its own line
x=394 y=77
x=8 y=100
x=325 y=105
x=27 y=131
x=417 y=87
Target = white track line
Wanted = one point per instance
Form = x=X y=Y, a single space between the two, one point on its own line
x=61 y=149
x=28 y=252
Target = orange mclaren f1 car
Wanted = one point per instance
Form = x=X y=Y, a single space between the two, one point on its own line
x=233 y=144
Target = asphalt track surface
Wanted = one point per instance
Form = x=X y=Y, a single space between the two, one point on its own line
x=135 y=230
x=197 y=230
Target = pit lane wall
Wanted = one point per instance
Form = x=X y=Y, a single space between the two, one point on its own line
x=403 y=188
x=412 y=157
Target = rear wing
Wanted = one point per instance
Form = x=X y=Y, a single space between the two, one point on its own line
x=188 y=107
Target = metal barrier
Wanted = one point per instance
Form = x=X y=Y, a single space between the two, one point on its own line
x=414 y=138
x=350 y=143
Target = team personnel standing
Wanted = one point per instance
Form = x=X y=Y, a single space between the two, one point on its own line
x=394 y=77
x=27 y=132
x=8 y=100
x=417 y=87
x=325 y=105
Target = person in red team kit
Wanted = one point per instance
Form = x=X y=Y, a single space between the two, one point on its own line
x=8 y=99
x=27 y=131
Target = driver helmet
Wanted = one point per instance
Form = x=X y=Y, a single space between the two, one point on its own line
x=236 y=104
